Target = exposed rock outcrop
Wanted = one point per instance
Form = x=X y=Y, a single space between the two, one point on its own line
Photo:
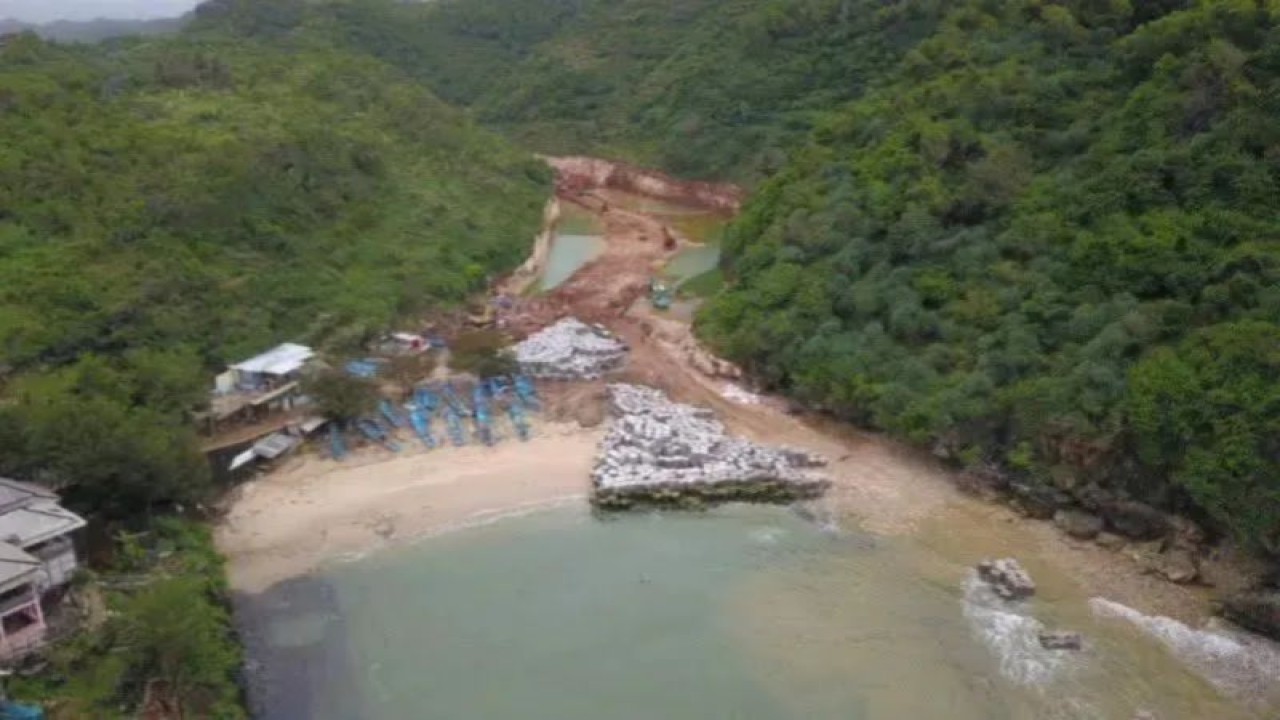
x=1176 y=565
x=1060 y=640
x=1110 y=541
x=1257 y=610
x=1078 y=524
x=1038 y=500
x=580 y=174
x=1135 y=520
x=1007 y=578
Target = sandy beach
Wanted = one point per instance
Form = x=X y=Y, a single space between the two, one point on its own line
x=313 y=510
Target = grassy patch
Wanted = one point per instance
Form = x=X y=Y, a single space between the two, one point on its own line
x=704 y=285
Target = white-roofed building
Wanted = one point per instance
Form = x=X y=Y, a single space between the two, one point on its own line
x=36 y=555
x=255 y=388
x=273 y=368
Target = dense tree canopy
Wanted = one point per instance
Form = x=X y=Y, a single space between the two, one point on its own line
x=1048 y=239
x=168 y=205
x=1039 y=233
x=711 y=88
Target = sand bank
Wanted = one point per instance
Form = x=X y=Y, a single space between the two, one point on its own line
x=314 y=510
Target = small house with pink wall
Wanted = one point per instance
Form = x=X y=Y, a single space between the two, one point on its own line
x=37 y=560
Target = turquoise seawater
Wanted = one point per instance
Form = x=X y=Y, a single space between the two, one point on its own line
x=743 y=612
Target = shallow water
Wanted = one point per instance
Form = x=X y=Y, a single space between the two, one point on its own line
x=568 y=253
x=691 y=262
x=742 y=612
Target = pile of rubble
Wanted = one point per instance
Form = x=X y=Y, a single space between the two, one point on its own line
x=570 y=350
x=661 y=452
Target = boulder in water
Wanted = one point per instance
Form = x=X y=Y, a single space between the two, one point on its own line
x=1078 y=524
x=1007 y=578
x=1061 y=640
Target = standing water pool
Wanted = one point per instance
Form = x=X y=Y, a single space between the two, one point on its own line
x=578 y=239
x=741 y=612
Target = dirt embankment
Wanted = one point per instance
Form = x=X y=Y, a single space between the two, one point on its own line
x=577 y=175
x=527 y=274
x=637 y=244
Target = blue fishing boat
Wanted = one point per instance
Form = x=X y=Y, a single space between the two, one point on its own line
x=389 y=412
x=422 y=426
x=337 y=444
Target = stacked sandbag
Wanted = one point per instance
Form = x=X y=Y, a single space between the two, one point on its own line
x=661 y=452
x=570 y=350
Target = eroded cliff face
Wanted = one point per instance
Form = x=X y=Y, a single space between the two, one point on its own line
x=577 y=175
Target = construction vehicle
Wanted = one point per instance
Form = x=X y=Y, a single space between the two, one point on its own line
x=660 y=294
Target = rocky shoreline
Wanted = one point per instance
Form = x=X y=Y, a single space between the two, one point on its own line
x=1163 y=544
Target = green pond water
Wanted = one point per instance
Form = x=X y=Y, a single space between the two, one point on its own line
x=567 y=254
x=691 y=262
x=742 y=612
x=578 y=240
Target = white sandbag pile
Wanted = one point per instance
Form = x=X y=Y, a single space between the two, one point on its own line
x=659 y=451
x=570 y=350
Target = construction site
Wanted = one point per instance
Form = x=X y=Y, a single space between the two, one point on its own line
x=607 y=319
x=680 y=428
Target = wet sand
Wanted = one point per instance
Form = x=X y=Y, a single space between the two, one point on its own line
x=312 y=510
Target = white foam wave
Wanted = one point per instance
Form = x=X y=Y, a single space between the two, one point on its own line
x=1012 y=635
x=1243 y=666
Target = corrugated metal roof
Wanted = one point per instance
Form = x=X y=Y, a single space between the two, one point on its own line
x=275 y=445
x=15 y=566
x=37 y=522
x=15 y=494
x=243 y=459
x=280 y=360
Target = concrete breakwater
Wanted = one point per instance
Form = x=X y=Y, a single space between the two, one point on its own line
x=659 y=452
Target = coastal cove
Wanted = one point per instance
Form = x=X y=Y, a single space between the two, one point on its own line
x=478 y=579
x=741 y=611
x=591 y=359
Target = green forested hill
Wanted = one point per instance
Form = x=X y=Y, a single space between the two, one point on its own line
x=1049 y=239
x=168 y=205
x=1039 y=233
x=705 y=88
